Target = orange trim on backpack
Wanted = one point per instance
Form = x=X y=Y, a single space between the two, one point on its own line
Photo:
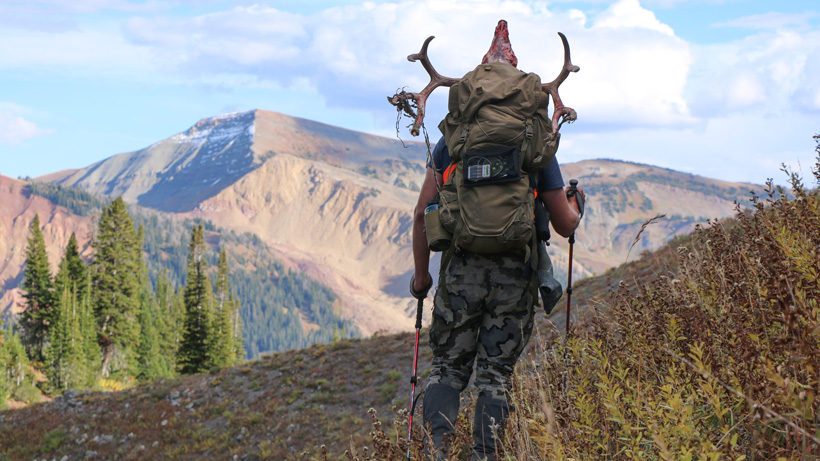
x=448 y=171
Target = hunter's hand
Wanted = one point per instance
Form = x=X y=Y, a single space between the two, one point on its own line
x=576 y=200
x=420 y=286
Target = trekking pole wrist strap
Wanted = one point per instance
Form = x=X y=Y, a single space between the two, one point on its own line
x=421 y=294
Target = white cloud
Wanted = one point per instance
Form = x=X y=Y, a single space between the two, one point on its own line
x=629 y=14
x=633 y=68
x=96 y=52
x=770 y=71
x=771 y=20
x=14 y=129
x=739 y=147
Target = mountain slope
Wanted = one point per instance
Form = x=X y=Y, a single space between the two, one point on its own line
x=338 y=204
x=17 y=209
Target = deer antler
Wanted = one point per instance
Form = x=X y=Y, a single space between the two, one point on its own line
x=402 y=99
x=566 y=114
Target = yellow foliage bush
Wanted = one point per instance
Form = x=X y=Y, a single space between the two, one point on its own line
x=717 y=358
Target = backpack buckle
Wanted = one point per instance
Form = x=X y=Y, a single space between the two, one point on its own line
x=525 y=145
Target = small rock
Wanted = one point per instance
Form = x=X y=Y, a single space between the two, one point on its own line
x=242 y=433
x=64 y=458
x=156 y=442
x=190 y=406
x=164 y=422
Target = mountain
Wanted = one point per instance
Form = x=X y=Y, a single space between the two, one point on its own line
x=337 y=204
x=18 y=205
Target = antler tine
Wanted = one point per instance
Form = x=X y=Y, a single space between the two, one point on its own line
x=567 y=113
x=436 y=80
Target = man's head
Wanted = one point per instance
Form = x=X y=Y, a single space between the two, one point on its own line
x=500 y=49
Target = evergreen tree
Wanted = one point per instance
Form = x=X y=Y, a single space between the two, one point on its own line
x=14 y=366
x=5 y=384
x=224 y=345
x=168 y=322
x=115 y=273
x=148 y=352
x=194 y=354
x=38 y=286
x=72 y=269
x=239 y=340
x=67 y=364
x=89 y=333
x=150 y=363
x=74 y=364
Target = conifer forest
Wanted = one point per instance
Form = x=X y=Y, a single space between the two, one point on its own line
x=154 y=300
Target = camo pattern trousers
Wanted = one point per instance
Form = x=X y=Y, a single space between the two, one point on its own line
x=487 y=325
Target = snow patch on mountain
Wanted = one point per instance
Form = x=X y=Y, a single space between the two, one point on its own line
x=210 y=156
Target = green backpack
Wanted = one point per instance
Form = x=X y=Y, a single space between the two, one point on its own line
x=499 y=134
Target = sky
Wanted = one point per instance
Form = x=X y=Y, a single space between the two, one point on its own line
x=727 y=89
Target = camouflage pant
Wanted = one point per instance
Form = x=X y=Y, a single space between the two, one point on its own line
x=488 y=323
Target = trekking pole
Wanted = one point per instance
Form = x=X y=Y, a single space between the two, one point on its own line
x=573 y=191
x=414 y=379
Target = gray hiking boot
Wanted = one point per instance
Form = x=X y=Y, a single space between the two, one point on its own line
x=439 y=412
x=490 y=417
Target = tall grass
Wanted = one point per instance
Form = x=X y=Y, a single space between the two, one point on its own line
x=717 y=359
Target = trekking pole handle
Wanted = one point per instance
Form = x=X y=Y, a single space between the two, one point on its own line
x=573 y=192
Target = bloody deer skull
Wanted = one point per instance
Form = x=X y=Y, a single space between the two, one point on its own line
x=500 y=51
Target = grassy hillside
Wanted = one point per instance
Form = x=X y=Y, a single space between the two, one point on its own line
x=276 y=407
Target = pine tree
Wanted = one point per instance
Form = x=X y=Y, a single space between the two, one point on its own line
x=36 y=318
x=5 y=383
x=239 y=340
x=225 y=347
x=194 y=354
x=89 y=331
x=67 y=365
x=72 y=268
x=115 y=273
x=14 y=365
x=168 y=323
x=148 y=354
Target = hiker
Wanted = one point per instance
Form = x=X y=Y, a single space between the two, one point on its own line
x=490 y=316
x=484 y=304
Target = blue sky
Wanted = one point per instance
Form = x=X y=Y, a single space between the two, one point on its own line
x=728 y=89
